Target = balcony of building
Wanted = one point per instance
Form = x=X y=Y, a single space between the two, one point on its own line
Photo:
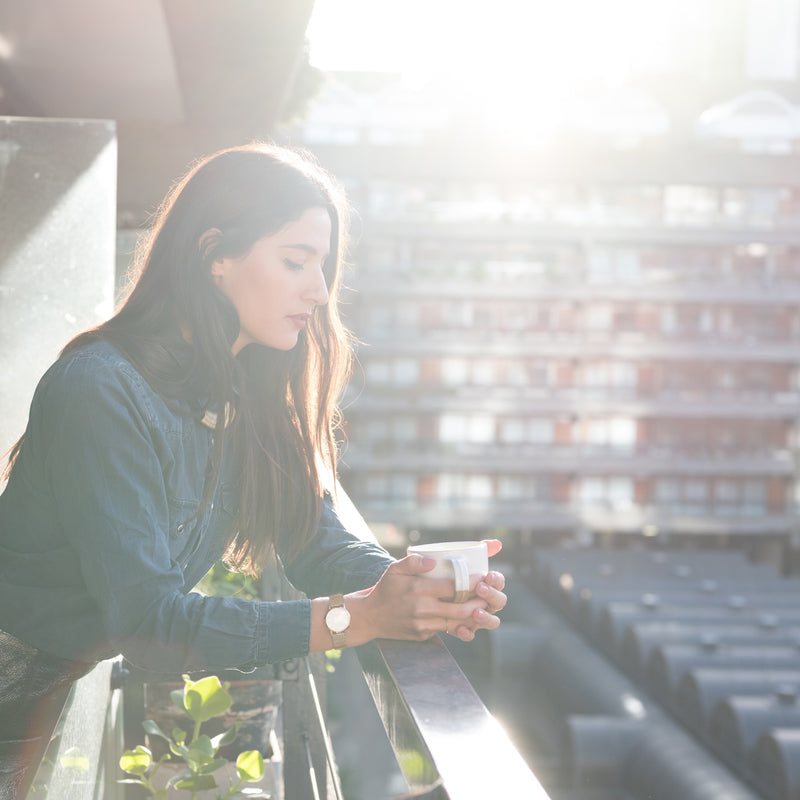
x=580 y=287
x=396 y=397
x=544 y=516
x=645 y=461
x=579 y=344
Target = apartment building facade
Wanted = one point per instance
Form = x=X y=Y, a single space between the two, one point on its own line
x=593 y=336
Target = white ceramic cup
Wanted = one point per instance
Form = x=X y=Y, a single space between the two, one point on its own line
x=466 y=563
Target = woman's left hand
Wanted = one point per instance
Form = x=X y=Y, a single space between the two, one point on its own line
x=490 y=590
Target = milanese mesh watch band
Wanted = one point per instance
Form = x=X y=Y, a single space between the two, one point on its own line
x=337 y=619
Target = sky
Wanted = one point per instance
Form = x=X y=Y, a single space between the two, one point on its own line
x=540 y=42
x=522 y=65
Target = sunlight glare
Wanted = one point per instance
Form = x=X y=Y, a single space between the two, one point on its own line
x=518 y=65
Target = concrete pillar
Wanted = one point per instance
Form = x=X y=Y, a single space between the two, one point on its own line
x=57 y=242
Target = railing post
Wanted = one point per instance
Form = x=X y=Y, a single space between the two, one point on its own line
x=302 y=735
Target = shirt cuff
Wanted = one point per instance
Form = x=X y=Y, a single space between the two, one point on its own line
x=283 y=630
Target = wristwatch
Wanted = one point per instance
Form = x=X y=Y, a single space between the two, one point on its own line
x=337 y=619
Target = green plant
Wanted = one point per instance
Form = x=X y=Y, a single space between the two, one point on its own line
x=200 y=700
x=220 y=580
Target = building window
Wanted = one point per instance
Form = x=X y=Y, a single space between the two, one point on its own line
x=405 y=372
x=458 y=314
x=483 y=373
x=616 y=375
x=457 y=428
x=517 y=430
x=755 y=498
x=667 y=492
x=599 y=317
x=615 y=492
x=458 y=488
x=455 y=371
x=404 y=429
x=377 y=429
x=726 y=496
x=617 y=432
x=377 y=372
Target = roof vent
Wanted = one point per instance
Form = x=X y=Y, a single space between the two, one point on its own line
x=768 y=621
x=651 y=601
x=786 y=694
x=709 y=642
x=737 y=601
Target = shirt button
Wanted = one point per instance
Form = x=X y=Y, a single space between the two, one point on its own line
x=181 y=527
x=212 y=506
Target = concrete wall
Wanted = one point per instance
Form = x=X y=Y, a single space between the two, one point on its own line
x=57 y=244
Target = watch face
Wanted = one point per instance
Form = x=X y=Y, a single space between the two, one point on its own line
x=337 y=619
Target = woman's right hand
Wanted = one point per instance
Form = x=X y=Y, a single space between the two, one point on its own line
x=404 y=604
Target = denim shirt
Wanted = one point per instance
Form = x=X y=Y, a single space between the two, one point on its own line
x=101 y=542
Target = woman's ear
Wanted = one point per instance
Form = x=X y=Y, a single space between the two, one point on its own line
x=208 y=241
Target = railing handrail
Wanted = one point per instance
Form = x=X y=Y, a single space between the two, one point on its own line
x=440 y=730
x=442 y=734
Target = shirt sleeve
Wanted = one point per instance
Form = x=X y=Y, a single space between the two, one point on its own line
x=106 y=469
x=336 y=560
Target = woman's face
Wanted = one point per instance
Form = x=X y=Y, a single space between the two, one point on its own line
x=277 y=284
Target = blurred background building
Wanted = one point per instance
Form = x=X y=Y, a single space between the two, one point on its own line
x=589 y=330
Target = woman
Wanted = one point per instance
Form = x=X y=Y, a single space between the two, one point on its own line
x=196 y=423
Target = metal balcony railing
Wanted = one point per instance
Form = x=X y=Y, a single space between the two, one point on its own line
x=447 y=744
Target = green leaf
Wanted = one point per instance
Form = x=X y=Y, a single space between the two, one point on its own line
x=197 y=783
x=160 y=794
x=201 y=751
x=213 y=766
x=152 y=728
x=179 y=776
x=226 y=737
x=177 y=698
x=206 y=698
x=179 y=749
x=136 y=762
x=179 y=736
x=250 y=765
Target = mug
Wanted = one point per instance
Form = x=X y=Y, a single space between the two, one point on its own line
x=466 y=563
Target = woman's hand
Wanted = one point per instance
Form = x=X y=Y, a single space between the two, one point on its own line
x=405 y=604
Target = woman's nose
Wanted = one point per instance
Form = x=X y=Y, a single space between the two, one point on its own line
x=317 y=290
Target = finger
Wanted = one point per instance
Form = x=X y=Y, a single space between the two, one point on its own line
x=495 y=600
x=493 y=546
x=496 y=580
x=414 y=564
x=483 y=619
x=464 y=633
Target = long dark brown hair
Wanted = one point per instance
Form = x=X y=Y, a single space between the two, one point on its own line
x=286 y=415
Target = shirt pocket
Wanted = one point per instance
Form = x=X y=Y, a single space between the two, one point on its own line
x=183 y=518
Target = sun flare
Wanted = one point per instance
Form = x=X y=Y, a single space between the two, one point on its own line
x=519 y=65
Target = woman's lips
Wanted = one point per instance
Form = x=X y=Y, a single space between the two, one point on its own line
x=301 y=320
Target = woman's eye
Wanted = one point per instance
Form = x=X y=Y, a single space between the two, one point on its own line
x=293 y=264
